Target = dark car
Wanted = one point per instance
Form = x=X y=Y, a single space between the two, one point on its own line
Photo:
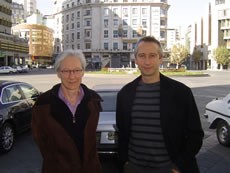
x=106 y=129
x=16 y=101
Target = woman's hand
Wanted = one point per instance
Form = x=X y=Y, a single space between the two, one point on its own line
x=175 y=171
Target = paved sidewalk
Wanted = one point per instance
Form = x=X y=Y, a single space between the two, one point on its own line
x=213 y=157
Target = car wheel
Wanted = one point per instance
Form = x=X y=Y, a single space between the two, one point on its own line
x=6 y=137
x=223 y=133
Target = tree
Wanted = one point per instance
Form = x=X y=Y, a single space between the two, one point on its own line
x=178 y=54
x=197 y=54
x=222 y=55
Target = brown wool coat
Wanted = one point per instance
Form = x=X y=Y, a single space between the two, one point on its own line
x=59 y=152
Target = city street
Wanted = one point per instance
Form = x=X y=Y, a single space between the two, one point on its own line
x=25 y=157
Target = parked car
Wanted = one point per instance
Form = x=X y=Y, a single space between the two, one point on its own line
x=21 y=69
x=7 y=69
x=106 y=129
x=217 y=113
x=16 y=101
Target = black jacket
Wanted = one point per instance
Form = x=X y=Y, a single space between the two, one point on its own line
x=67 y=147
x=180 y=122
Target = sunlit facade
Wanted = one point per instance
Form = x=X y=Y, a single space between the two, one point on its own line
x=210 y=32
x=107 y=30
x=40 y=41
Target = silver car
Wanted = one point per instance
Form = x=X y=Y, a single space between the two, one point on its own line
x=106 y=129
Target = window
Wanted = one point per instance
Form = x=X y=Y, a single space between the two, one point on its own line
x=143 y=32
x=88 y=45
x=144 y=23
x=87 y=33
x=220 y=2
x=88 y=23
x=29 y=91
x=115 y=46
x=163 y=12
x=67 y=18
x=106 y=33
x=106 y=46
x=125 y=12
x=106 y=11
x=115 y=34
x=72 y=37
x=78 y=35
x=106 y=23
x=87 y=12
x=134 y=11
x=72 y=17
x=133 y=45
x=125 y=33
x=134 y=21
x=115 y=22
x=72 y=26
x=67 y=26
x=162 y=34
x=11 y=94
x=134 y=33
x=6 y=95
x=125 y=46
x=78 y=14
x=162 y=22
x=125 y=21
x=78 y=24
x=115 y=11
x=144 y=11
x=67 y=38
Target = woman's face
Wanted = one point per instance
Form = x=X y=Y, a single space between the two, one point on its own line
x=71 y=72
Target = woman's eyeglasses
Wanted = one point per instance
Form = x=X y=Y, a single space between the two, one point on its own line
x=73 y=72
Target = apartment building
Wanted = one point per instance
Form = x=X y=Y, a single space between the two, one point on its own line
x=173 y=37
x=107 y=30
x=13 y=50
x=18 y=13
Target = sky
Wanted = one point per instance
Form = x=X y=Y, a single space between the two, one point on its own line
x=185 y=12
x=181 y=12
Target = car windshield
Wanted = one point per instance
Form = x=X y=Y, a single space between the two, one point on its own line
x=109 y=100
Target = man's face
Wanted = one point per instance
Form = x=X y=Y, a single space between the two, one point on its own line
x=71 y=73
x=148 y=59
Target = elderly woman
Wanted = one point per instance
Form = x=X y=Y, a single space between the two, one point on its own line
x=65 y=119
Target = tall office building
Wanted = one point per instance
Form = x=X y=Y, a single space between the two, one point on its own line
x=18 y=13
x=210 y=32
x=30 y=6
x=13 y=50
x=107 y=30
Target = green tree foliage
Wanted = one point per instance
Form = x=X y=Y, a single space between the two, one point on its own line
x=197 y=54
x=222 y=55
x=178 y=54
